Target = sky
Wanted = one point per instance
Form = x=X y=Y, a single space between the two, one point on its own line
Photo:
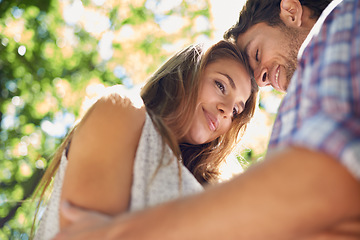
x=225 y=14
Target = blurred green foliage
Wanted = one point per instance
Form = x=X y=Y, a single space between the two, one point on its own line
x=49 y=59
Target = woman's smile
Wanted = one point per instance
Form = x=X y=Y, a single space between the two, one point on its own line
x=212 y=121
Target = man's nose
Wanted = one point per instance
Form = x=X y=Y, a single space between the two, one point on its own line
x=262 y=78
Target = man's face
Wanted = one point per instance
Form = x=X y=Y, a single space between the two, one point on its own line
x=272 y=53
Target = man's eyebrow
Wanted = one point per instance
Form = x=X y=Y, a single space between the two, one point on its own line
x=231 y=81
x=246 y=50
x=247 y=54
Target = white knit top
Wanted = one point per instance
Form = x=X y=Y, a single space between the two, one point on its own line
x=155 y=180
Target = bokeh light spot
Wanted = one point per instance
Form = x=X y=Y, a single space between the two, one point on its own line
x=22 y=50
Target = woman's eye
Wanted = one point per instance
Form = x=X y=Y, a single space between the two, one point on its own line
x=220 y=86
x=257 y=55
x=235 y=112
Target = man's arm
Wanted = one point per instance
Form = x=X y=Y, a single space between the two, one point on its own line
x=293 y=194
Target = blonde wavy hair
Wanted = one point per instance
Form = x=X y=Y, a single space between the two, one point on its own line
x=170 y=97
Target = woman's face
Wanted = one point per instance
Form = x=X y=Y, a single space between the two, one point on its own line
x=225 y=87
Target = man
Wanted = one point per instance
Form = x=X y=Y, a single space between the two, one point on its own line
x=308 y=186
x=271 y=33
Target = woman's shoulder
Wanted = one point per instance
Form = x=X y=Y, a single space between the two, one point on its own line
x=113 y=118
x=117 y=106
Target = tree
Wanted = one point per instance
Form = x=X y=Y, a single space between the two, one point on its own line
x=52 y=55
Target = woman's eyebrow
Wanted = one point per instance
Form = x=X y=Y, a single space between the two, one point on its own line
x=242 y=104
x=231 y=81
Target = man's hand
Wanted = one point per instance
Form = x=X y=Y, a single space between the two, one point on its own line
x=349 y=230
x=85 y=224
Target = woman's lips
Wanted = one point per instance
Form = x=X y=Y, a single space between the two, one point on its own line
x=212 y=121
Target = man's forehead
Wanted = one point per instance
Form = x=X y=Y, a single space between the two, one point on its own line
x=244 y=38
x=257 y=31
x=243 y=41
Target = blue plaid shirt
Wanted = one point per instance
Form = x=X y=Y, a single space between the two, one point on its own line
x=321 y=110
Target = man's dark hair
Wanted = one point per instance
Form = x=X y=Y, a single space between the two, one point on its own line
x=268 y=11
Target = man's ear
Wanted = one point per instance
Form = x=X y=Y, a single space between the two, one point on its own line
x=291 y=12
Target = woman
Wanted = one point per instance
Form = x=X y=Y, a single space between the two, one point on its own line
x=124 y=158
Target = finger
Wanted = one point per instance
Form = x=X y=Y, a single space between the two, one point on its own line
x=351 y=227
x=71 y=212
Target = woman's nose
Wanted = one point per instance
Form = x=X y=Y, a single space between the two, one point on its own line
x=225 y=111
